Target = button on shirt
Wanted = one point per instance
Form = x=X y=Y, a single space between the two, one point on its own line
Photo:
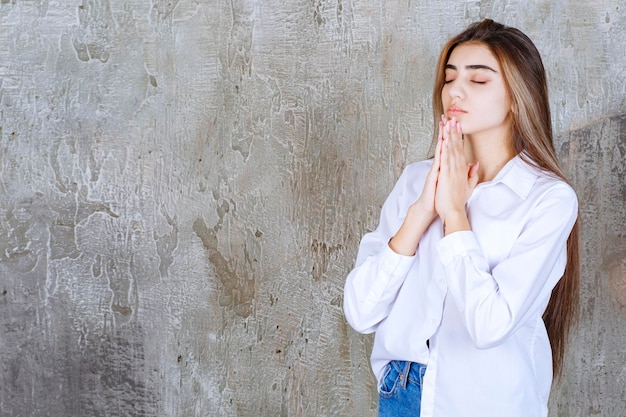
x=476 y=296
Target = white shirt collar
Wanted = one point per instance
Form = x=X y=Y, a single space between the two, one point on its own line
x=518 y=175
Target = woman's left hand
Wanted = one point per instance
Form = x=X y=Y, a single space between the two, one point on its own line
x=457 y=179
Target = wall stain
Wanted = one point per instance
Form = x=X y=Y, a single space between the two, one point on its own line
x=166 y=245
x=91 y=37
x=319 y=183
x=318 y=14
x=21 y=244
x=614 y=264
x=321 y=254
x=72 y=210
x=162 y=12
x=118 y=270
x=113 y=376
x=96 y=267
x=237 y=292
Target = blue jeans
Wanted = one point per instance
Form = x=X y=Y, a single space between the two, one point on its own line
x=401 y=390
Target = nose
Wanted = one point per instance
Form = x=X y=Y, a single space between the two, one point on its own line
x=455 y=90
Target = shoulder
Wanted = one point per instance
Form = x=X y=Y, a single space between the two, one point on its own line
x=528 y=178
x=548 y=180
x=550 y=190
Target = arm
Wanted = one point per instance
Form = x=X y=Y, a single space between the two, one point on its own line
x=494 y=301
x=386 y=255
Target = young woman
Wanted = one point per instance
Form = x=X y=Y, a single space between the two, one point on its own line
x=470 y=280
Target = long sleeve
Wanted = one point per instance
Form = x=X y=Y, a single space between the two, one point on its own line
x=496 y=295
x=372 y=286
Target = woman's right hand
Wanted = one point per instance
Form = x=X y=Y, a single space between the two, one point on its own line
x=421 y=213
x=426 y=201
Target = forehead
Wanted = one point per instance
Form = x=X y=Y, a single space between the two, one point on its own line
x=469 y=54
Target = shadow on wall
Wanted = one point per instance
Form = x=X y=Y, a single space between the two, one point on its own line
x=594 y=159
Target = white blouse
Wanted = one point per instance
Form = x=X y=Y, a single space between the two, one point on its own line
x=476 y=296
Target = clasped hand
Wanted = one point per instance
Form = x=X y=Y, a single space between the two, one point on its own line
x=451 y=179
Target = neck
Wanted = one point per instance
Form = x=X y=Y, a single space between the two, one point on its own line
x=491 y=153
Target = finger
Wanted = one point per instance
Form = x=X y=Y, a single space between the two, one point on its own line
x=434 y=169
x=457 y=152
x=447 y=131
x=444 y=154
x=450 y=144
x=455 y=133
x=437 y=155
x=473 y=175
x=439 y=143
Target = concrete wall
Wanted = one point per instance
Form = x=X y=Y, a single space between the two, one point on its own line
x=183 y=186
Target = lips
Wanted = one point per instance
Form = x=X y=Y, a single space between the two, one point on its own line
x=454 y=110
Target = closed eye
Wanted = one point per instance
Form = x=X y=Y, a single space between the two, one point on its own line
x=479 y=82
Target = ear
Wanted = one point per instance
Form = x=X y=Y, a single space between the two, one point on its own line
x=513 y=114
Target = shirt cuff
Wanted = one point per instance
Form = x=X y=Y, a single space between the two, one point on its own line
x=456 y=244
x=395 y=264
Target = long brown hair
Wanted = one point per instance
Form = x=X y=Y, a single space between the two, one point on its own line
x=525 y=78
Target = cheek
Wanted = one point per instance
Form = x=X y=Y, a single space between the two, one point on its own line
x=504 y=100
x=505 y=107
x=499 y=105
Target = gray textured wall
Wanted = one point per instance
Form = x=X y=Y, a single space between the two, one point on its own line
x=183 y=186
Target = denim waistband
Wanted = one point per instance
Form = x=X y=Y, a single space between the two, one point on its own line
x=412 y=371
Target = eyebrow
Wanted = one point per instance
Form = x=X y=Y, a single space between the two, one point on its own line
x=472 y=67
